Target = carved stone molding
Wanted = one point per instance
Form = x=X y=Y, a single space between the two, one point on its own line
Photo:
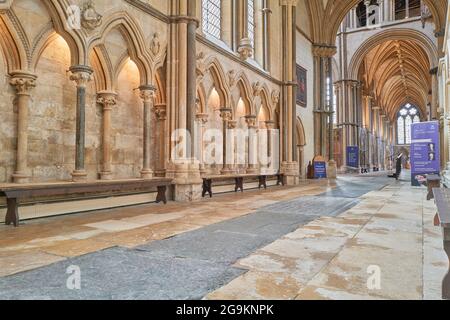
x=90 y=18
x=161 y=112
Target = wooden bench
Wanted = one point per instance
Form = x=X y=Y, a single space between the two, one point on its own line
x=442 y=198
x=16 y=193
x=433 y=181
x=238 y=181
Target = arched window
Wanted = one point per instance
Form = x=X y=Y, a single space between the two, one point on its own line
x=407 y=115
x=251 y=20
x=212 y=17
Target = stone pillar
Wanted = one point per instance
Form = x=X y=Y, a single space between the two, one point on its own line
x=407 y=9
x=147 y=95
x=202 y=119
x=183 y=168
x=226 y=115
x=381 y=16
x=230 y=146
x=161 y=117
x=245 y=45
x=81 y=75
x=367 y=4
x=270 y=126
x=108 y=101
x=289 y=167
x=253 y=167
x=23 y=82
x=322 y=71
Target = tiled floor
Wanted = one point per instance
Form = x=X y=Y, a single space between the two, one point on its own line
x=326 y=257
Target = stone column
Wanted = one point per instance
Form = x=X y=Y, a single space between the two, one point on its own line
x=270 y=126
x=253 y=167
x=161 y=117
x=407 y=9
x=289 y=167
x=108 y=101
x=81 y=75
x=202 y=119
x=381 y=17
x=23 y=82
x=245 y=46
x=147 y=95
x=226 y=115
x=230 y=145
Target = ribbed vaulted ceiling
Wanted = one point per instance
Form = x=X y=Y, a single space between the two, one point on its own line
x=396 y=73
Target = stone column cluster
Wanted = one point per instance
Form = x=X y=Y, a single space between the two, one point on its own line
x=323 y=112
x=289 y=166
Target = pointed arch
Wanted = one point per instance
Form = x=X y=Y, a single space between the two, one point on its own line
x=13 y=49
x=246 y=94
x=214 y=68
x=135 y=40
x=300 y=131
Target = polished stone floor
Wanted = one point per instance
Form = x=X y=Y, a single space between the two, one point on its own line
x=314 y=241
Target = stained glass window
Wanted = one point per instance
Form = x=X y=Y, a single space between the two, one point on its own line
x=212 y=17
x=407 y=115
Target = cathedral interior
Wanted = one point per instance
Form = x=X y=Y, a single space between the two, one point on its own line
x=118 y=120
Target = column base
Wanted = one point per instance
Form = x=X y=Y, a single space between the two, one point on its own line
x=160 y=173
x=187 y=180
x=252 y=171
x=79 y=176
x=146 y=174
x=107 y=176
x=332 y=170
x=291 y=173
x=20 y=178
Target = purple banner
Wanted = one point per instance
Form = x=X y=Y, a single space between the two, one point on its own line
x=425 y=153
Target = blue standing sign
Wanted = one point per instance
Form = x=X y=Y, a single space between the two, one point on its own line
x=353 y=157
x=425 y=151
x=320 y=168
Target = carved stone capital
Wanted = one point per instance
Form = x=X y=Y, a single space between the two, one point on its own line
x=81 y=75
x=202 y=118
x=24 y=82
x=251 y=121
x=148 y=93
x=245 y=48
x=324 y=51
x=226 y=114
x=107 y=99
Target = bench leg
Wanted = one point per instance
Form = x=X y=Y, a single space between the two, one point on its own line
x=239 y=185
x=263 y=182
x=12 y=215
x=280 y=180
x=161 y=197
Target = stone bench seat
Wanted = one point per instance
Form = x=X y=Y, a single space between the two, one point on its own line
x=17 y=194
x=239 y=180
